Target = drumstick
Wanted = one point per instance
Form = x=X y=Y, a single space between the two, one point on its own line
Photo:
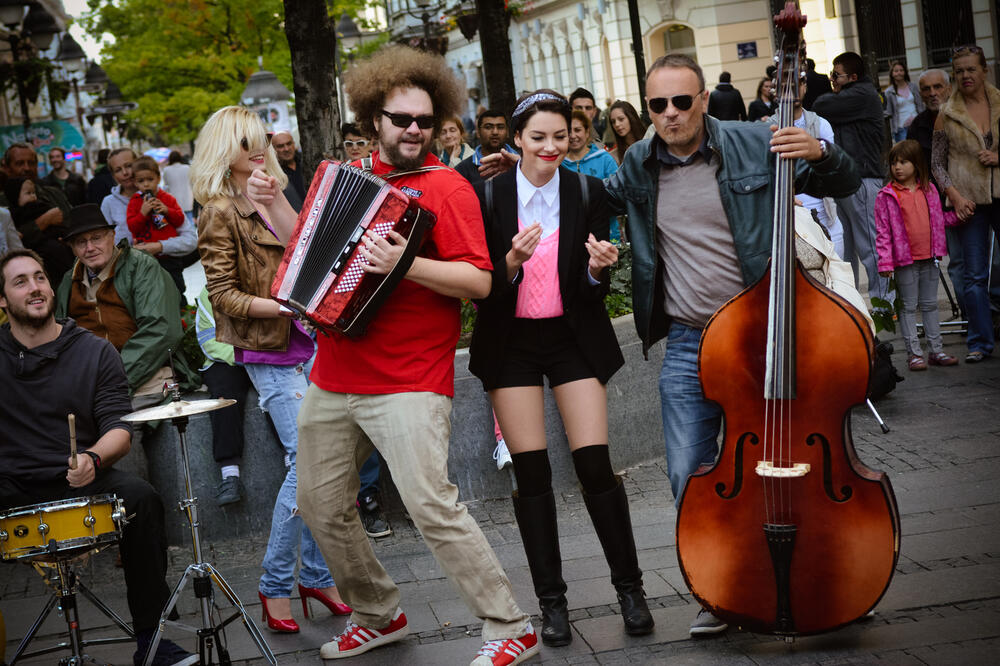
x=72 y=441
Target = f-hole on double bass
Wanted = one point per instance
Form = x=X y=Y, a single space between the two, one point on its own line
x=788 y=533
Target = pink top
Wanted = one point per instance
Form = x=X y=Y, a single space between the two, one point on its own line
x=538 y=296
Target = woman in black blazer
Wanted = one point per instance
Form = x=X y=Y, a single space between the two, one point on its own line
x=547 y=231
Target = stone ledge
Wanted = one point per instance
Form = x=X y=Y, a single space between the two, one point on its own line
x=633 y=420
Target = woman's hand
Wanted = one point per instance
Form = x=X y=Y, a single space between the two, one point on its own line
x=602 y=255
x=382 y=253
x=262 y=189
x=522 y=246
x=964 y=208
x=885 y=274
x=988 y=158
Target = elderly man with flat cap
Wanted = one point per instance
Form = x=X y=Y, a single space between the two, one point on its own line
x=125 y=297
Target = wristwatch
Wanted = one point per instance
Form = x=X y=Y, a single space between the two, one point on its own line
x=96 y=458
x=824 y=149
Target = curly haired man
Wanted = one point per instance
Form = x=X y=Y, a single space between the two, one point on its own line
x=391 y=389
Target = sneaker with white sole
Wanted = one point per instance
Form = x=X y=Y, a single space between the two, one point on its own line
x=356 y=639
x=706 y=624
x=508 y=651
x=502 y=455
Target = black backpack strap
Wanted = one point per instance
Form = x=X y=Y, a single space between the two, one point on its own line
x=488 y=192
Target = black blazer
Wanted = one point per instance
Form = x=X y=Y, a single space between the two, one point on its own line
x=583 y=303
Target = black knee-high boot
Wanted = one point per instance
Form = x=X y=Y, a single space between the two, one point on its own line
x=536 y=519
x=613 y=524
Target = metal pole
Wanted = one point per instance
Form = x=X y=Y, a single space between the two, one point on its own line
x=15 y=50
x=640 y=59
x=79 y=121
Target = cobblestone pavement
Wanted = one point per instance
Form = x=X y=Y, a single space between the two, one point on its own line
x=943 y=607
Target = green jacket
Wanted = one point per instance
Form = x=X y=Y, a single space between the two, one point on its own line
x=151 y=298
x=746 y=186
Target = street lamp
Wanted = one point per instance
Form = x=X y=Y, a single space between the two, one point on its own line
x=40 y=27
x=423 y=10
x=25 y=34
x=12 y=12
x=74 y=60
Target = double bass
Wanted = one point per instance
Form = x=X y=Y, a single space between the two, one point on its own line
x=789 y=533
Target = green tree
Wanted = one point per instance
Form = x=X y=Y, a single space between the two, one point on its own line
x=183 y=59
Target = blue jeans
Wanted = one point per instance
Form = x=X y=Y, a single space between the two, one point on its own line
x=281 y=389
x=974 y=235
x=690 y=423
x=369 y=476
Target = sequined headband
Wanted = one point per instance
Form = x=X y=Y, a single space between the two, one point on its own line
x=534 y=99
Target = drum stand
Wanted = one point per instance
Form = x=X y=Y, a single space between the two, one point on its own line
x=203 y=574
x=65 y=583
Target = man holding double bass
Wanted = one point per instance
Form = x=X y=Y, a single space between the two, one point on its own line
x=52 y=368
x=699 y=199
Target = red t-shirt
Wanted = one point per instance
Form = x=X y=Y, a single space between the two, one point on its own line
x=410 y=345
x=916 y=219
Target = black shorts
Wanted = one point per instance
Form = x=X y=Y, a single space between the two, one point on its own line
x=538 y=347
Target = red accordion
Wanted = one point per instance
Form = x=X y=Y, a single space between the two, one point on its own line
x=322 y=276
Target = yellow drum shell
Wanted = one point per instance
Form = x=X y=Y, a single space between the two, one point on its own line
x=56 y=527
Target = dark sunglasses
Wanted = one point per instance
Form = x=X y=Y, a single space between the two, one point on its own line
x=405 y=120
x=680 y=102
x=360 y=143
x=245 y=145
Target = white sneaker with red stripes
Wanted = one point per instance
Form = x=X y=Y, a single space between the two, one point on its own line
x=508 y=651
x=356 y=639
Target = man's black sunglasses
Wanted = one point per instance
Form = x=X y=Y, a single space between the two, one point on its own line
x=680 y=102
x=405 y=120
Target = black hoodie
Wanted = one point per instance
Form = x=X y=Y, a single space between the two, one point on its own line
x=76 y=373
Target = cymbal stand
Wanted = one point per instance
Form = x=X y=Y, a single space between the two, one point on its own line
x=203 y=574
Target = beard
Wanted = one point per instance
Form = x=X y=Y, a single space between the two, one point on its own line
x=404 y=162
x=19 y=315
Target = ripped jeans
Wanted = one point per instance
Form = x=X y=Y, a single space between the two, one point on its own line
x=281 y=389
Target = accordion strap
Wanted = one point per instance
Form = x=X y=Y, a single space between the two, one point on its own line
x=367 y=163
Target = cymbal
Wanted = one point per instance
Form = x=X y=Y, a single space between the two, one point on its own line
x=176 y=409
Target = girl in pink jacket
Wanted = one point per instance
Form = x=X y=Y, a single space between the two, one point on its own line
x=909 y=224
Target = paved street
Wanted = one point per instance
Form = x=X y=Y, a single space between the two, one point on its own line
x=943 y=607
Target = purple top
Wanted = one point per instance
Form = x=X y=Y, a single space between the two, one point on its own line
x=300 y=346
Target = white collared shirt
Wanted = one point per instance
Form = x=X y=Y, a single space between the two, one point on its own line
x=538 y=204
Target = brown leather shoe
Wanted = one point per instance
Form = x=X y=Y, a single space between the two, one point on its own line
x=940 y=358
x=916 y=363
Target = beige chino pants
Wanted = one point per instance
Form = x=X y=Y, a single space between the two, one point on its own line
x=337 y=432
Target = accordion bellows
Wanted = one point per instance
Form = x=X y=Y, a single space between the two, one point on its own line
x=322 y=275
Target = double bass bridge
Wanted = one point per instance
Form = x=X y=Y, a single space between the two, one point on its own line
x=768 y=470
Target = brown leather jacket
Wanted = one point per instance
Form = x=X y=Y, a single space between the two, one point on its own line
x=241 y=257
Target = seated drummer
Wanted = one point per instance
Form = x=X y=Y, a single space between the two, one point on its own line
x=50 y=369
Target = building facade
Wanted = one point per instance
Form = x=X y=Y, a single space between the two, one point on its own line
x=563 y=44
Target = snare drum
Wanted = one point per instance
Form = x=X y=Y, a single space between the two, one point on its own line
x=65 y=527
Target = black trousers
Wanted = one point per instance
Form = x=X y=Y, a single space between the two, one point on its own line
x=227 y=381
x=144 y=540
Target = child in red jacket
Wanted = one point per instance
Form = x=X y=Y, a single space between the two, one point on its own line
x=153 y=215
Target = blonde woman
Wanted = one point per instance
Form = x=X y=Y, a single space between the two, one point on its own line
x=241 y=249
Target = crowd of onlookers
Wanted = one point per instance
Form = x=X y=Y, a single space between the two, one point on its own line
x=925 y=150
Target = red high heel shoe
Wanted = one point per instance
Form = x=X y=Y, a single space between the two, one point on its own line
x=334 y=607
x=289 y=626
